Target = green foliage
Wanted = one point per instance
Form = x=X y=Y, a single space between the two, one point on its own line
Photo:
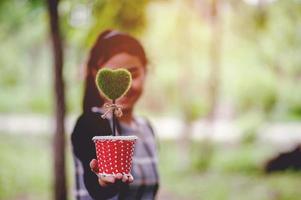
x=194 y=109
x=256 y=91
x=201 y=155
x=249 y=125
x=242 y=160
x=128 y=16
x=292 y=100
x=113 y=84
x=273 y=51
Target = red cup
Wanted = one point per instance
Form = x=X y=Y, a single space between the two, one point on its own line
x=114 y=154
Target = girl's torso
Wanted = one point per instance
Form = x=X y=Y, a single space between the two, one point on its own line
x=144 y=167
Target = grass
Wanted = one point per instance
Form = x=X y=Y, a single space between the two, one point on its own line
x=230 y=172
x=26 y=167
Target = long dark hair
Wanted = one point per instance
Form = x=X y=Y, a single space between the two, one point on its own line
x=108 y=44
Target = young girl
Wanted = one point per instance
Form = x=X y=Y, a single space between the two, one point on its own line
x=114 y=50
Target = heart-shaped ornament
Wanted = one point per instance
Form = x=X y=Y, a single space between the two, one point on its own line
x=113 y=84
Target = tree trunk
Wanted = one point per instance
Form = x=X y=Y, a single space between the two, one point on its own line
x=215 y=57
x=60 y=191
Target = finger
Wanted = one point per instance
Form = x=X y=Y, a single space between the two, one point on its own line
x=125 y=178
x=102 y=183
x=106 y=180
x=93 y=165
x=118 y=176
x=131 y=178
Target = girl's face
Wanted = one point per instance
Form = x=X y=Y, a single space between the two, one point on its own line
x=136 y=68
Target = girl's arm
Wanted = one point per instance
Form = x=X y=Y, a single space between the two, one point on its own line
x=86 y=127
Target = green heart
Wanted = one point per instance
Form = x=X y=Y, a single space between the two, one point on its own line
x=113 y=84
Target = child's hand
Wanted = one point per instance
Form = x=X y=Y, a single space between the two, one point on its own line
x=105 y=181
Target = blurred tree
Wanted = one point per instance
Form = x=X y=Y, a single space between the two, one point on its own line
x=60 y=188
x=214 y=56
x=188 y=91
x=214 y=7
x=22 y=52
x=98 y=15
x=211 y=11
x=272 y=29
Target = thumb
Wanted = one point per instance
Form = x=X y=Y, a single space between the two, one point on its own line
x=94 y=165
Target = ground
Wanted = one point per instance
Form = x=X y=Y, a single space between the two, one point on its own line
x=230 y=173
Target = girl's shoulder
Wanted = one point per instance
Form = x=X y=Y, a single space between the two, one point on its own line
x=144 y=121
x=89 y=119
x=91 y=122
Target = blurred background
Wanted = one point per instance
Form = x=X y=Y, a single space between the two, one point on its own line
x=223 y=92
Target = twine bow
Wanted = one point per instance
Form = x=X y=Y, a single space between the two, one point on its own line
x=112 y=107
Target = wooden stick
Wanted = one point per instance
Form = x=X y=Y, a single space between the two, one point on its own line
x=114 y=120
